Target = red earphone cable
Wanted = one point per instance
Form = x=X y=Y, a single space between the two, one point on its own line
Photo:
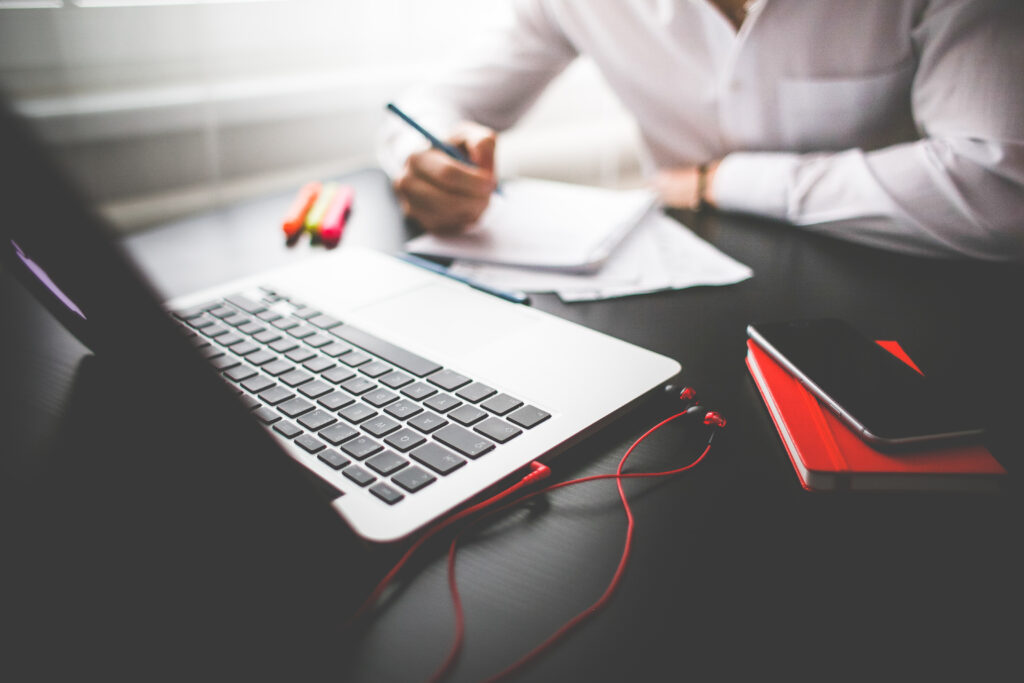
x=603 y=600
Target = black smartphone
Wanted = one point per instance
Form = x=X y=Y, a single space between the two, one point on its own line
x=879 y=396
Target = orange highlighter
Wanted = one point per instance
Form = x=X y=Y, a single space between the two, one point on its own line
x=337 y=214
x=296 y=218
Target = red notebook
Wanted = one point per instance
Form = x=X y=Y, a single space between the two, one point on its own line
x=828 y=456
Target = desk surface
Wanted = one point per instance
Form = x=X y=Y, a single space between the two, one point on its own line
x=733 y=554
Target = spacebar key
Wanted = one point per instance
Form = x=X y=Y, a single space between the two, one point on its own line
x=407 y=360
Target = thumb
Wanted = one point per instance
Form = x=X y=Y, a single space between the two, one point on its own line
x=479 y=142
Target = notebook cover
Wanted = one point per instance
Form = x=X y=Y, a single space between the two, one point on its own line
x=827 y=455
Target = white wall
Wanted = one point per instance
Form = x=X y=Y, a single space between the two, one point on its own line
x=169 y=108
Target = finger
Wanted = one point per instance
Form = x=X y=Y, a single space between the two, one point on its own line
x=452 y=176
x=434 y=208
x=479 y=143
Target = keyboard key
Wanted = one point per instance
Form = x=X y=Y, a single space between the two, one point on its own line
x=528 y=416
x=467 y=415
x=302 y=331
x=251 y=328
x=361 y=447
x=315 y=389
x=310 y=443
x=404 y=440
x=300 y=355
x=381 y=426
x=358 y=385
x=449 y=380
x=318 y=340
x=498 y=429
x=245 y=303
x=439 y=459
x=375 y=368
x=335 y=349
x=255 y=385
x=324 y=322
x=333 y=458
x=380 y=397
x=395 y=379
x=335 y=400
x=428 y=421
x=357 y=412
x=228 y=339
x=338 y=374
x=261 y=357
x=387 y=462
x=464 y=441
x=359 y=475
x=277 y=367
x=266 y=415
x=388 y=494
x=317 y=419
x=284 y=345
x=396 y=355
x=442 y=402
x=403 y=409
x=267 y=336
x=475 y=392
x=239 y=373
x=354 y=358
x=249 y=402
x=295 y=407
x=419 y=390
x=224 y=362
x=235 y=319
x=294 y=378
x=214 y=330
x=287 y=429
x=193 y=312
x=339 y=433
x=244 y=348
x=412 y=479
x=501 y=404
x=285 y=323
x=276 y=395
x=318 y=364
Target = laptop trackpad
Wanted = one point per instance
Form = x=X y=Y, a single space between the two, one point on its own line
x=444 y=319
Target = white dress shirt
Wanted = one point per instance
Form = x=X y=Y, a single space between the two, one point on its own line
x=897 y=123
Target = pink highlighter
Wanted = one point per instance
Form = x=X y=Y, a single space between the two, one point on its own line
x=337 y=214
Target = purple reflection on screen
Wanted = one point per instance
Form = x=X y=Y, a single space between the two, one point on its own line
x=45 y=279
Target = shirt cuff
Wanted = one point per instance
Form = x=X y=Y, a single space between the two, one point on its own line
x=757 y=183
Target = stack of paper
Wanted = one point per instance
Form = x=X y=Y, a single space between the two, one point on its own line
x=582 y=243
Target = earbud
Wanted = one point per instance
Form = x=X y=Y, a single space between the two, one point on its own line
x=714 y=419
x=675 y=392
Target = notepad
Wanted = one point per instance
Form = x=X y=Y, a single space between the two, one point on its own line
x=545 y=224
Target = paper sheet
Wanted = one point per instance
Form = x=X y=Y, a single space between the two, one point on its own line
x=660 y=254
x=545 y=224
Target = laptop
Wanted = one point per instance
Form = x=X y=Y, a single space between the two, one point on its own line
x=404 y=393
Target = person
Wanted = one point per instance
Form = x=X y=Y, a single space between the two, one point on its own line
x=895 y=123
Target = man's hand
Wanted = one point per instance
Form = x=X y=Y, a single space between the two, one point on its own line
x=444 y=195
x=678 y=187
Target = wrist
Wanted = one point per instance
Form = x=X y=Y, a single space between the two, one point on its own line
x=705 y=184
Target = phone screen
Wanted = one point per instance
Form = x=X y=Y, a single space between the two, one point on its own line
x=878 y=395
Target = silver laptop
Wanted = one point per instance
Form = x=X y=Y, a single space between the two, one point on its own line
x=409 y=392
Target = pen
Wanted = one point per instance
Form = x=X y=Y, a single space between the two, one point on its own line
x=514 y=297
x=435 y=142
x=450 y=150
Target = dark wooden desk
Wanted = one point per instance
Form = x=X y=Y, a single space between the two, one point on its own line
x=734 y=565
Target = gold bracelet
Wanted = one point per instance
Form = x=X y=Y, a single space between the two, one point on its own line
x=702 y=187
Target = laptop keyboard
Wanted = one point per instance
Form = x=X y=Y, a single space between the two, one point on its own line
x=390 y=420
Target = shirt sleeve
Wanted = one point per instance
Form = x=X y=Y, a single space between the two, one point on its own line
x=494 y=83
x=958 y=191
